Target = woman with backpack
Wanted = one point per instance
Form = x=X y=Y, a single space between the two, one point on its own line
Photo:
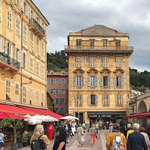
x=38 y=139
x=60 y=141
x=116 y=139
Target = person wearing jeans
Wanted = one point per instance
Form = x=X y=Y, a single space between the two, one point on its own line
x=96 y=127
x=92 y=131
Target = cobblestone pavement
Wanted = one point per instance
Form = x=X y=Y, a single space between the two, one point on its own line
x=73 y=144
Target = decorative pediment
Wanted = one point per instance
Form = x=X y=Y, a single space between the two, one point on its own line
x=92 y=71
x=78 y=72
x=105 y=71
x=119 y=70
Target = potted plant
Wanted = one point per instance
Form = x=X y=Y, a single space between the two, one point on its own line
x=25 y=141
x=15 y=126
x=19 y=141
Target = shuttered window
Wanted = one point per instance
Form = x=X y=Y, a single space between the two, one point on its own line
x=24 y=60
x=31 y=39
x=104 y=43
x=63 y=81
x=105 y=100
x=31 y=65
x=17 y=92
x=119 y=100
x=37 y=44
x=118 y=43
x=78 y=81
x=63 y=91
x=37 y=68
x=105 y=61
x=62 y=100
x=78 y=61
x=7 y=87
x=92 y=99
x=57 y=81
x=78 y=100
x=42 y=48
x=42 y=71
x=37 y=97
x=16 y=53
x=92 y=61
x=24 y=94
x=42 y=99
x=92 y=42
x=17 y=27
x=119 y=81
x=57 y=91
x=25 y=33
x=9 y=19
x=92 y=81
x=7 y=48
x=78 y=42
x=118 y=61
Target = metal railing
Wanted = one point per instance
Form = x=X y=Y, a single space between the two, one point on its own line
x=10 y=61
x=99 y=47
x=34 y=22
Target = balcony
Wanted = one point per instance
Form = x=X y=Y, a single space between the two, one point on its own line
x=9 y=64
x=108 y=49
x=36 y=28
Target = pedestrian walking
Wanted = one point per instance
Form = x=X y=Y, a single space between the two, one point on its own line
x=136 y=140
x=92 y=131
x=1 y=139
x=39 y=134
x=100 y=124
x=96 y=127
x=130 y=131
x=67 y=137
x=60 y=141
x=80 y=134
x=103 y=124
x=70 y=130
x=142 y=131
x=116 y=140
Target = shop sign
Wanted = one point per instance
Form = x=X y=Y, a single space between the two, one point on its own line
x=99 y=116
x=92 y=116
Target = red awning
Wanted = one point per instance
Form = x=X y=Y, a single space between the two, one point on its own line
x=4 y=115
x=126 y=117
x=14 y=109
x=138 y=115
x=42 y=112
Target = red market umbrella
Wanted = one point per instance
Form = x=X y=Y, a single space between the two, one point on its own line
x=4 y=115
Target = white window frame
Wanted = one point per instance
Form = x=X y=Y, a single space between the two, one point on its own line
x=79 y=100
x=17 y=27
x=37 y=97
x=31 y=39
x=37 y=68
x=31 y=64
x=42 y=71
x=105 y=43
x=42 y=48
x=119 y=100
x=24 y=93
x=9 y=19
x=78 y=61
x=118 y=43
x=92 y=43
x=105 y=61
x=37 y=44
x=25 y=33
x=118 y=61
x=17 y=92
x=92 y=78
x=92 y=61
x=8 y=84
x=106 y=100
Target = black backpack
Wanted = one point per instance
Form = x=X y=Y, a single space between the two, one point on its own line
x=38 y=144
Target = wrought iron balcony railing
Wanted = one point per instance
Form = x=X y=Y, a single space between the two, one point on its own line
x=10 y=61
x=32 y=21
x=98 y=47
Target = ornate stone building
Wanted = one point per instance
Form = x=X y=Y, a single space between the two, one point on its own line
x=98 y=68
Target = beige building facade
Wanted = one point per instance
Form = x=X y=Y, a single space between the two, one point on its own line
x=98 y=67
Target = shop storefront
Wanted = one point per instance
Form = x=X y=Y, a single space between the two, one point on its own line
x=106 y=116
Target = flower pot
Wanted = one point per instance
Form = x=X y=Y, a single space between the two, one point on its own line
x=20 y=145
x=14 y=146
x=25 y=144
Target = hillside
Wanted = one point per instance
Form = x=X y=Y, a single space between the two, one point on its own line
x=58 y=61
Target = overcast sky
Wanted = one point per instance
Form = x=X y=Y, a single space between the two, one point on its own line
x=127 y=16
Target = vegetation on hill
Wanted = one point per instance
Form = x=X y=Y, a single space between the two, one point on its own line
x=58 y=61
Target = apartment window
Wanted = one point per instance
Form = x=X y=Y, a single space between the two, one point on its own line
x=92 y=61
x=42 y=71
x=79 y=97
x=63 y=81
x=25 y=33
x=78 y=81
x=63 y=91
x=42 y=100
x=37 y=44
x=118 y=61
x=105 y=100
x=37 y=68
x=92 y=99
x=31 y=64
x=9 y=19
x=105 y=81
x=16 y=54
x=24 y=60
x=105 y=61
x=92 y=81
x=78 y=42
x=57 y=91
x=57 y=81
x=57 y=101
x=24 y=94
x=119 y=100
x=37 y=97
x=17 y=27
x=42 y=48
x=118 y=43
x=8 y=48
x=119 y=81
x=48 y=81
x=52 y=81
x=7 y=90
x=78 y=61
x=2 y=44
x=17 y=92
x=104 y=43
x=31 y=95
x=31 y=39
x=92 y=42
x=62 y=100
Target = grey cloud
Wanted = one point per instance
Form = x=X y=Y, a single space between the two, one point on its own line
x=125 y=16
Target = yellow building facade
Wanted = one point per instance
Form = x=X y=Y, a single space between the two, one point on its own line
x=98 y=66
x=22 y=53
